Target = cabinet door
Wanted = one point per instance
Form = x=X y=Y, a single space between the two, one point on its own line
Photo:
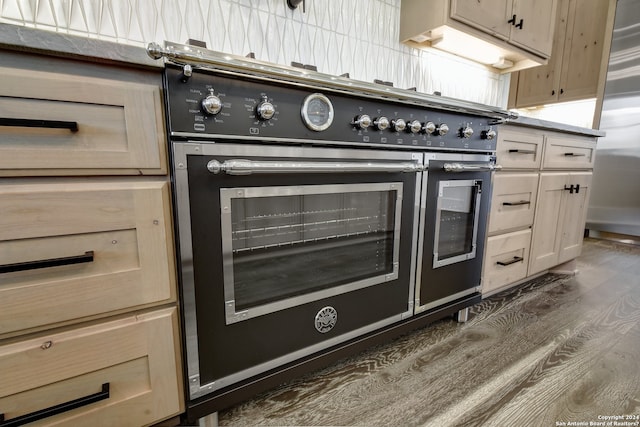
x=490 y=16
x=583 y=49
x=574 y=216
x=506 y=259
x=519 y=148
x=562 y=152
x=71 y=249
x=127 y=370
x=513 y=201
x=58 y=124
x=538 y=20
x=540 y=85
x=545 y=242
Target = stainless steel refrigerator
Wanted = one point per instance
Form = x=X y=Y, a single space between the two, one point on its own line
x=615 y=196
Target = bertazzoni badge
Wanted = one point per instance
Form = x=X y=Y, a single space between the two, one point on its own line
x=326 y=319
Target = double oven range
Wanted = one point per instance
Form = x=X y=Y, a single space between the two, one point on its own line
x=316 y=215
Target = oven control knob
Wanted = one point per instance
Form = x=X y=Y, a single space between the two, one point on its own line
x=488 y=134
x=466 y=132
x=362 y=121
x=398 y=125
x=265 y=109
x=443 y=129
x=429 y=127
x=414 y=126
x=211 y=104
x=381 y=123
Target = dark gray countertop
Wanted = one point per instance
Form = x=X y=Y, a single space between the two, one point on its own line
x=554 y=126
x=15 y=37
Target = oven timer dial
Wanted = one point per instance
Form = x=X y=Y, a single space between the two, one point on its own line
x=265 y=110
x=211 y=104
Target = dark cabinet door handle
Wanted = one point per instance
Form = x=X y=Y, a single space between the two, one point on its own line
x=577 y=188
x=569 y=189
x=515 y=150
x=57 y=409
x=574 y=154
x=46 y=263
x=512 y=21
x=519 y=24
x=511 y=261
x=521 y=202
x=34 y=123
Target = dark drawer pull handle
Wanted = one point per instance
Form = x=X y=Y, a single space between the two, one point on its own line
x=574 y=154
x=46 y=263
x=34 y=123
x=57 y=409
x=511 y=261
x=515 y=150
x=521 y=202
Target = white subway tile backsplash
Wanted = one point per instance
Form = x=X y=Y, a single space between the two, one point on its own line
x=355 y=36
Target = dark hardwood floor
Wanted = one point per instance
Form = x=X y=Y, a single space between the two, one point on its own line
x=555 y=350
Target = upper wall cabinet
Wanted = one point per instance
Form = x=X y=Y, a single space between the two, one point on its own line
x=578 y=65
x=507 y=35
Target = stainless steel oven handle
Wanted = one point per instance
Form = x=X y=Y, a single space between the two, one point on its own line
x=248 y=167
x=465 y=167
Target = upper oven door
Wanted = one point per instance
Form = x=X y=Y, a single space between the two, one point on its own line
x=288 y=250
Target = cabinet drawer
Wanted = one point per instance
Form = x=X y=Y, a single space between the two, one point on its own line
x=135 y=358
x=519 y=150
x=506 y=259
x=513 y=203
x=569 y=153
x=75 y=249
x=83 y=125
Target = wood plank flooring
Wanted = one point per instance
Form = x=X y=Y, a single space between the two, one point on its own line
x=555 y=350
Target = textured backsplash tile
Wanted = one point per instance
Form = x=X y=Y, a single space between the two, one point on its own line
x=355 y=36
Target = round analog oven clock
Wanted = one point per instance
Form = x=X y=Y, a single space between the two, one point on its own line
x=317 y=112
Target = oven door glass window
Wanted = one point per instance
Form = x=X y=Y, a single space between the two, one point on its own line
x=456 y=221
x=286 y=246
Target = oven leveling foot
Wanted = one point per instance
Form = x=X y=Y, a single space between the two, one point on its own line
x=210 y=420
x=462 y=316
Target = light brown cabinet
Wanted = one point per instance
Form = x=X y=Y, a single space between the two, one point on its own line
x=109 y=239
x=88 y=298
x=127 y=365
x=526 y=24
x=65 y=125
x=513 y=204
x=538 y=205
x=505 y=34
x=560 y=219
x=578 y=64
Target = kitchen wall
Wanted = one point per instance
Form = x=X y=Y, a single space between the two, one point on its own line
x=355 y=36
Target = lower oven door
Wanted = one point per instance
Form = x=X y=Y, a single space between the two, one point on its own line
x=456 y=196
x=287 y=251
